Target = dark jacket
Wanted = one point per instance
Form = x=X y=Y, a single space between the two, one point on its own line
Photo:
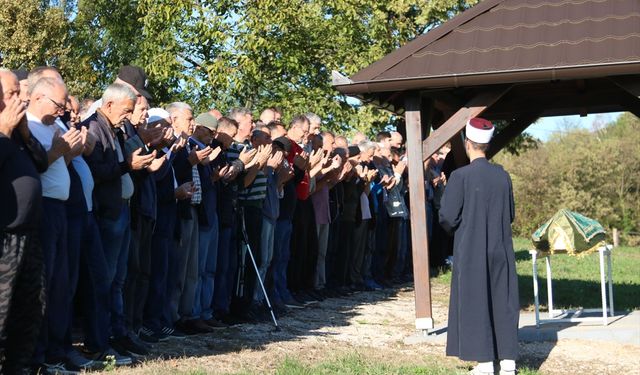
x=105 y=168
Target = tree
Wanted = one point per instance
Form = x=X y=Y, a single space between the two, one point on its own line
x=594 y=173
x=261 y=53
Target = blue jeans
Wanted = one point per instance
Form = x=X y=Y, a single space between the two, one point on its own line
x=207 y=264
x=266 y=255
x=97 y=292
x=115 y=236
x=280 y=261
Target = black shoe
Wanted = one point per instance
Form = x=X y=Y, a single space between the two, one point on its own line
x=126 y=345
x=193 y=326
x=147 y=335
x=315 y=295
x=216 y=324
x=304 y=298
x=231 y=320
x=293 y=304
x=172 y=333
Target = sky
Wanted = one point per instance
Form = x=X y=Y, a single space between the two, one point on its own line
x=546 y=126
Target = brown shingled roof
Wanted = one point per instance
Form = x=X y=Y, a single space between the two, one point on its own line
x=504 y=41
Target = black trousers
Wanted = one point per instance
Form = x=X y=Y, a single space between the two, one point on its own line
x=136 y=287
x=21 y=299
x=304 y=248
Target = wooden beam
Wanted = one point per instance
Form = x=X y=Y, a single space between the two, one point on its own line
x=506 y=135
x=414 y=115
x=630 y=95
x=457 y=122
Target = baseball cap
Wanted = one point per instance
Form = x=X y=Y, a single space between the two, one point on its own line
x=135 y=76
x=207 y=120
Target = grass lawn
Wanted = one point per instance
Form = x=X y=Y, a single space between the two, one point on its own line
x=576 y=280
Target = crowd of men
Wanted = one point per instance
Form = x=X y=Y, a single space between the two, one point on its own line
x=143 y=222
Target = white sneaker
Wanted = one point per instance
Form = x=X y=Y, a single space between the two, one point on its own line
x=483 y=368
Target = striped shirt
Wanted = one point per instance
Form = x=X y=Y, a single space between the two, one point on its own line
x=255 y=193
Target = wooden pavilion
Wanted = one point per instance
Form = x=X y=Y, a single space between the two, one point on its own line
x=509 y=60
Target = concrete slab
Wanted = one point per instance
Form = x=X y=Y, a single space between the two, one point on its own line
x=622 y=328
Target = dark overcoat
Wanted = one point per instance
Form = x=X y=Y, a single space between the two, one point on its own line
x=478 y=208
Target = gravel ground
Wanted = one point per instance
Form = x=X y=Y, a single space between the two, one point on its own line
x=372 y=324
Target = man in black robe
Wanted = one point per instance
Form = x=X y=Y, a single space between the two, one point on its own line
x=478 y=208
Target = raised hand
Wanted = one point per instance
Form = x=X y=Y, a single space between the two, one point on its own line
x=178 y=145
x=246 y=155
x=301 y=160
x=400 y=167
x=275 y=160
x=11 y=115
x=151 y=136
x=197 y=156
x=138 y=161
x=315 y=157
x=157 y=163
x=214 y=153
x=264 y=153
x=88 y=140
x=185 y=191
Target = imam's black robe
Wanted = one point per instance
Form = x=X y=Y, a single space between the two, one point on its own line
x=478 y=208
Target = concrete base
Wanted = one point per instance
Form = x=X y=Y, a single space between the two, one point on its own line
x=623 y=329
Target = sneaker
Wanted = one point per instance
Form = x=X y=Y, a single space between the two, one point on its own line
x=55 y=367
x=79 y=362
x=293 y=304
x=147 y=335
x=173 y=333
x=216 y=324
x=126 y=345
x=112 y=356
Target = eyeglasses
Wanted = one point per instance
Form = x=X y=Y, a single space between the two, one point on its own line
x=60 y=107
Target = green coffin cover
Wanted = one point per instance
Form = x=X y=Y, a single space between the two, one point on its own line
x=569 y=232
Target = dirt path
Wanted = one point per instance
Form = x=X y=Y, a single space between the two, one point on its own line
x=372 y=324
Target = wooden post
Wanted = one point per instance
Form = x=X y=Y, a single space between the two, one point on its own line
x=419 y=235
x=616 y=237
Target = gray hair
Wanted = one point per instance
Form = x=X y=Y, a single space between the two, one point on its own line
x=239 y=111
x=118 y=91
x=47 y=84
x=366 y=145
x=178 y=106
x=313 y=118
x=36 y=74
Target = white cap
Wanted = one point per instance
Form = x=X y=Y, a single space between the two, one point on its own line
x=479 y=130
x=157 y=114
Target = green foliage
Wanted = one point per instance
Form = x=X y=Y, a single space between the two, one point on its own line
x=254 y=53
x=594 y=173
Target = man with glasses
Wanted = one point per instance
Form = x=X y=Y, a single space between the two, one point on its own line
x=46 y=103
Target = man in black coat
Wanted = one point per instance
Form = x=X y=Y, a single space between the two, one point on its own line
x=484 y=310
